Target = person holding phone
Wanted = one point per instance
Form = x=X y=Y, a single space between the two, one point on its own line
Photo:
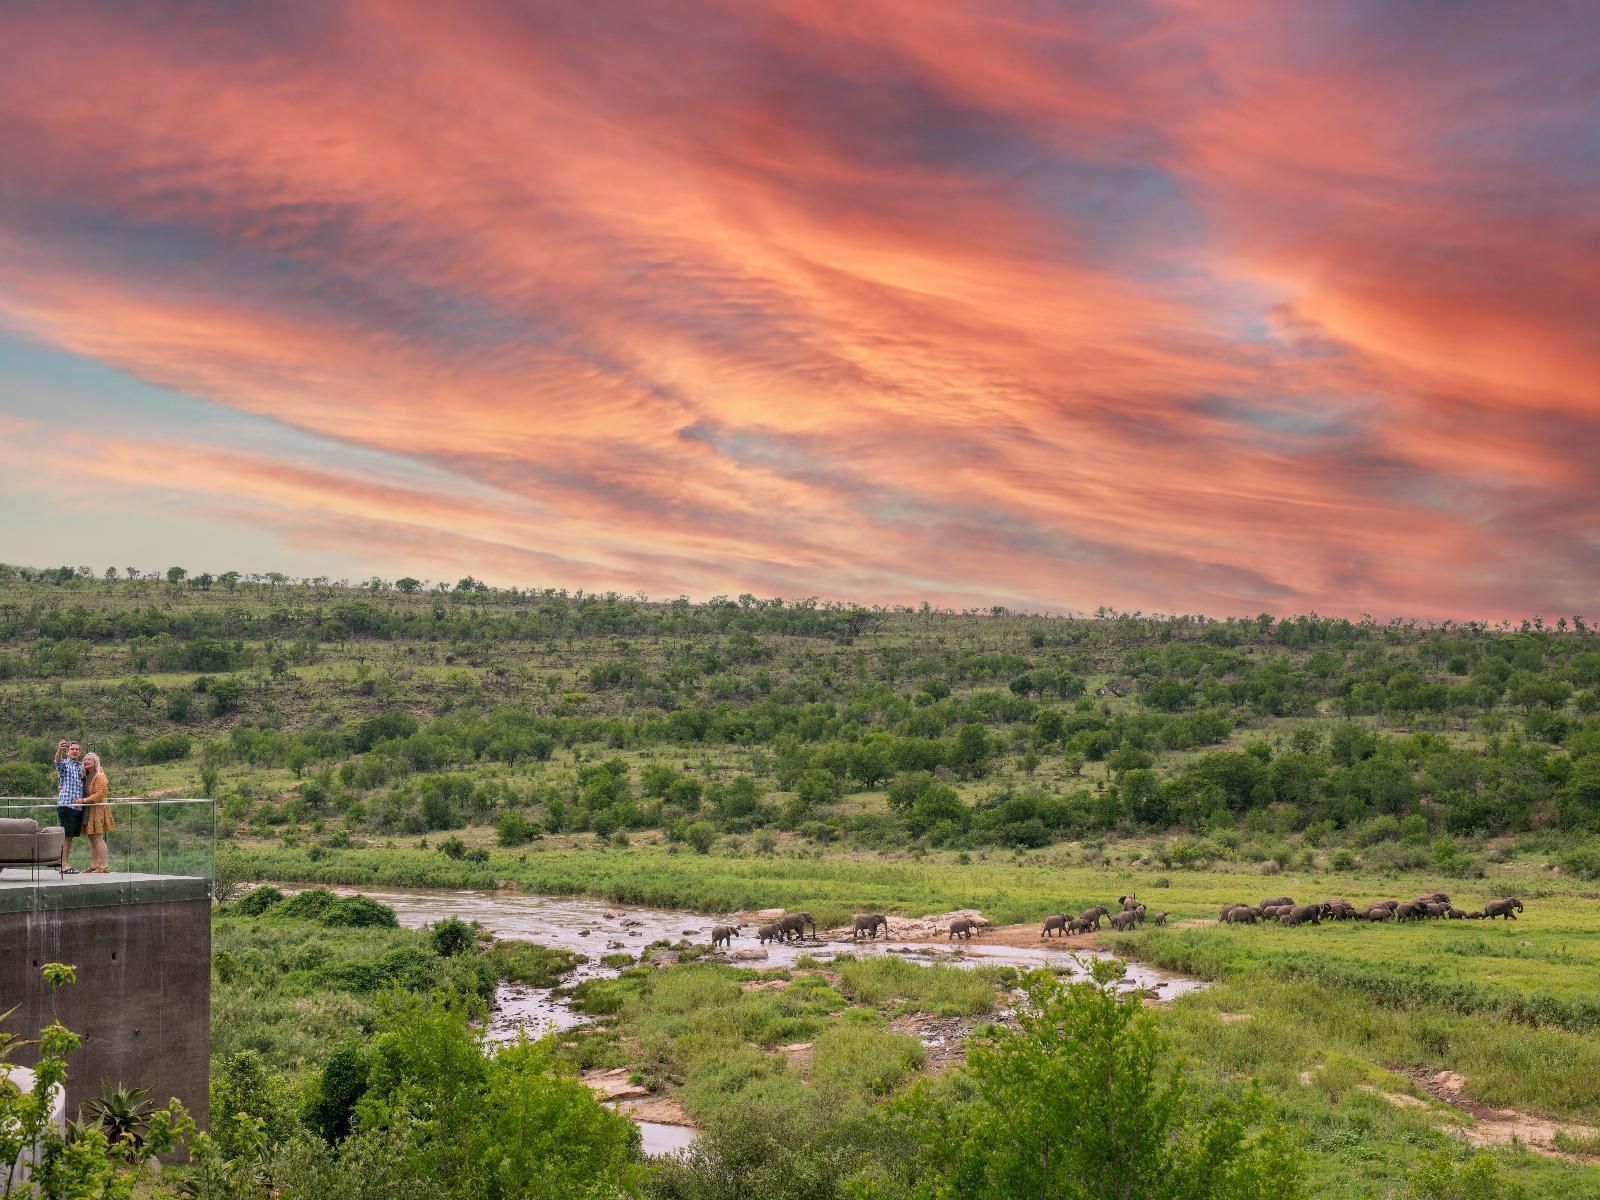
x=69 y=798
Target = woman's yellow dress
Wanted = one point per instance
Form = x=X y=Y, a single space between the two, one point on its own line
x=96 y=812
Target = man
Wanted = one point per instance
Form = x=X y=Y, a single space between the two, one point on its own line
x=69 y=798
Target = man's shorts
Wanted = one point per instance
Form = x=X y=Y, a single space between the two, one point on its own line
x=71 y=819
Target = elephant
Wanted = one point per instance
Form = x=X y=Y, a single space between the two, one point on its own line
x=1299 y=914
x=1455 y=914
x=1058 y=923
x=1340 y=910
x=871 y=923
x=1094 y=914
x=769 y=933
x=1475 y=916
x=1265 y=904
x=1409 y=910
x=1240 y=914
x=794 y=925
x=1272 y=912
x=1079 y=925
x=1379 y=912
x=1434 y=898
x=1436 y=910
x=1123 y=921
x=1222 y=916
x=963 y=928
x=1128 y=902
x=722 y=935
x=1503 y=908
x=1159 y=918
x=1138 y=911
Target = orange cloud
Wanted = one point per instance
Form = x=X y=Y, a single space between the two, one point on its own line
x=1188 y=306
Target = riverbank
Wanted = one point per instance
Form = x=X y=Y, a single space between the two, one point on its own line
x=1343 y=1025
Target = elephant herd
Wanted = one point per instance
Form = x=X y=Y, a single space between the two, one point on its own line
x=1131 y=914
x=1434 y=906
x=791 y=926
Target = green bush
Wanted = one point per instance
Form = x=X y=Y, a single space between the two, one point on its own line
x=359 y=912
x=256 y=901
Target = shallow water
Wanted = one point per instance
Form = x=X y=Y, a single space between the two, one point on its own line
x=656 y=1138
x=594 y=929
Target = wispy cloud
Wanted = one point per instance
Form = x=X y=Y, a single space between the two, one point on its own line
x=1180 y=305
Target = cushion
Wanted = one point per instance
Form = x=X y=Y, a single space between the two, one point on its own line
x=18 y=825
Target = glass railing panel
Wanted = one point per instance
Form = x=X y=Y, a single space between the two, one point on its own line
x=155 y=850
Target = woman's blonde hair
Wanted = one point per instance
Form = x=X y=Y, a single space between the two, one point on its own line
x=94 y=758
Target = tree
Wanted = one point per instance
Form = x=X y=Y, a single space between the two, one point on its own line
x=408 y=585
x=176 y=575
x=144 y=690
x=99 y=1159
x=1074 y=1104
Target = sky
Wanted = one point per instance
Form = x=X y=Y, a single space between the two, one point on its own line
x=1213 y=306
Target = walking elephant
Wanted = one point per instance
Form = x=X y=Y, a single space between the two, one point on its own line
x=1299 y=914
x=1054 y=924
x=869 y=923
x=769 y=933
x=1273 y=901
x=723 y=935
x=964 y=928
x=1159 y=918
x=1124 y=921
x=794 y=925
x=1094 y=914
x=1506 y=906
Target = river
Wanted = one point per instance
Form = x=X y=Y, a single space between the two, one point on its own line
x=595 y=929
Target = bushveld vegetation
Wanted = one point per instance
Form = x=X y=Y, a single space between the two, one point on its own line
x=746 y=753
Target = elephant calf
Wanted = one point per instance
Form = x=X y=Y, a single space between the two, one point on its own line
x=1159 y=918
x=1054 y=924
x=1124 y=920
x=1379 y=912
x=769 y=933
x=1286 y=901
x=1503 y=908
x=1239 y=914
x=962 y=928
x=1079 y=925
x=722 y=935
x=1093 y=915
x=869 y=923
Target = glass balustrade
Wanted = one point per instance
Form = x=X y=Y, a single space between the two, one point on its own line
x=157 y=850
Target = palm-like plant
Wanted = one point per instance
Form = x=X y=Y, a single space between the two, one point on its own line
x=120 y=1112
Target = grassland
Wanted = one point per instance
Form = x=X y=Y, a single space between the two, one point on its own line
x=747 y=754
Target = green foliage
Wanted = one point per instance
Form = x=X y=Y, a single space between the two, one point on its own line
x=1443 y=1175
x=258 y=900
x=1076 y=1102
x=451 y=936
x=358 y=912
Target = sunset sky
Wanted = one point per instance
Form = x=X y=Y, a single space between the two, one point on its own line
x=1200 y=306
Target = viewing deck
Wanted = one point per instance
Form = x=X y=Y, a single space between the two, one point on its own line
x=159 y=850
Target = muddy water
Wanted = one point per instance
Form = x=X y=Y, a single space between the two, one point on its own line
x=594 y=929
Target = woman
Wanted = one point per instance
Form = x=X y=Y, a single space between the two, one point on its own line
x=97 y=820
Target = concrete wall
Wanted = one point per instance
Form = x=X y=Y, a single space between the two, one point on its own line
x=142 y=1003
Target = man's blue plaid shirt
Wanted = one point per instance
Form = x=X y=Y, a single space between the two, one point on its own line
x=71 y=772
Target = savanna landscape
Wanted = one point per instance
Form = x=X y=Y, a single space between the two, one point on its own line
x=736 y=759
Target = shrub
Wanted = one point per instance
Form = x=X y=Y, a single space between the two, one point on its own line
x=256 y=901
x=513 y=828
x=1342 y=860
x=702 y=835
x=452 y=936
x=308 y=905
x=359 y=912
x=169 y=747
